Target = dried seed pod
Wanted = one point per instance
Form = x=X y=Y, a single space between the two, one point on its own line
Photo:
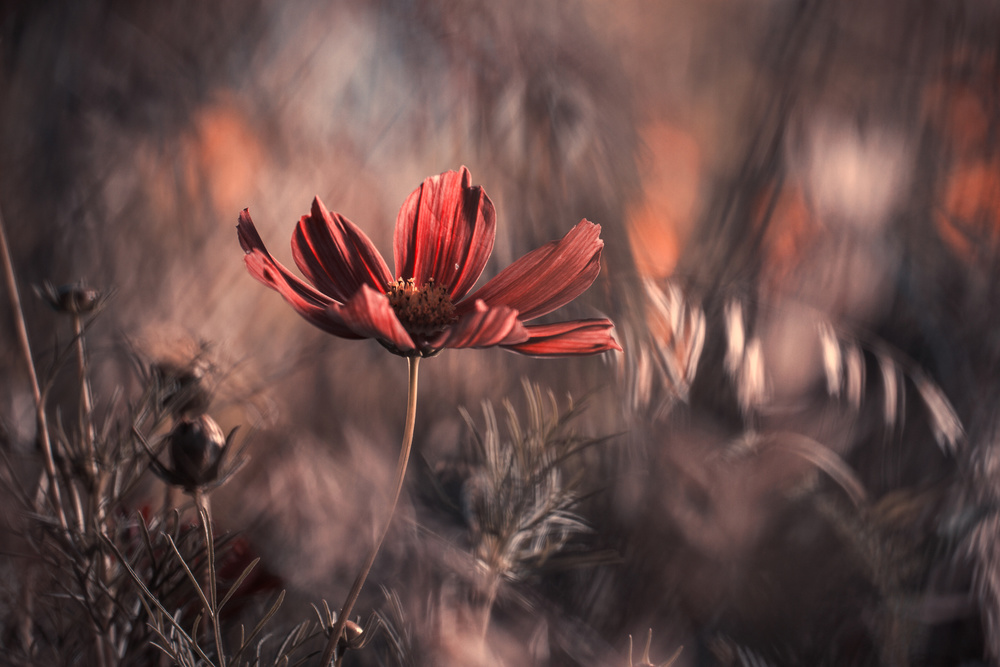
x=196 y=448
x=352 y=637
x=352 y=633
x=75 y=299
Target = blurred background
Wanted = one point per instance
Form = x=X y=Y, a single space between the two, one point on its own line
x=800 y=202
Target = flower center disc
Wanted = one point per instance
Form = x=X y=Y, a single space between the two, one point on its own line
x=423 y=310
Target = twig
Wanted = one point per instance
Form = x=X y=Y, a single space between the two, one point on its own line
x=86 y=402
x=22 y=335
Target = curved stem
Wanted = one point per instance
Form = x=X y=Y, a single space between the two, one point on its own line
x=42 y=423
x=404 y=457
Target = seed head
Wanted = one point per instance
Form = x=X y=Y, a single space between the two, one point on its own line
x=75 y=299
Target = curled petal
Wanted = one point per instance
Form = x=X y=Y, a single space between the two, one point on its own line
x=483 y=327
x=445 y=231
x=336 y=255
x=550 y=276
x=317 y=308
x=369 y=315
x=577 y=337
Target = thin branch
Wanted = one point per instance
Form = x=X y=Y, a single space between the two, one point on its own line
x=44 y=439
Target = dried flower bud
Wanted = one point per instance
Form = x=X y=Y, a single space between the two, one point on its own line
x=196 y=449
x=75 y=299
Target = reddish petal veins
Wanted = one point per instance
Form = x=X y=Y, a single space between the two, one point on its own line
x=369 y=315
x=461 y=263
x=574 y=338
x=549 y=277
x=319 y=309
x=405 y=237
x=445 y=230
x=483 y=326
x=336 y=255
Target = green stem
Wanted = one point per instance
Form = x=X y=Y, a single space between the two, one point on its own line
x=404 y=457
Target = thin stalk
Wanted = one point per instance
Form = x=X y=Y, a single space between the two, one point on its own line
x=201 y=502
x=404 y=457
x=491 y=596
x=102 y=656
x=22 y=335
x=27 y=623
x=74 y=499
x=86 y=398
x=97 y=480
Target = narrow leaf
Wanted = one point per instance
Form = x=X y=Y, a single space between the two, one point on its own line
x=260 y=626
x=890 y=389
x=947 y=426
x=239 y=582
x=854 y=362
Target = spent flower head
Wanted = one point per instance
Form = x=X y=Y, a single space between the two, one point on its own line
x=73 y=299
x=197 y=447
x=444 y=236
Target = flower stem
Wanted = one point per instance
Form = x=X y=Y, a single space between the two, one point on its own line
x=404 y=457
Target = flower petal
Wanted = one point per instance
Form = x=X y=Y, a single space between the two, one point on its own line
x=369 y=315
x=445 y=231
x=577 y=337
x=317 y=308
x=483 y=327
x=548 y=277
x=336 y=255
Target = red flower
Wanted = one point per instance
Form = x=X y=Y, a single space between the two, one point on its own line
x=444 y=236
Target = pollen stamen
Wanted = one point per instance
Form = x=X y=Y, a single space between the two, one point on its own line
x=423 y=310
